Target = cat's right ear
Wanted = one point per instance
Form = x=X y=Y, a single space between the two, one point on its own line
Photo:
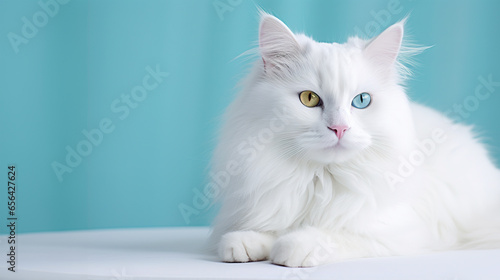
x=277 y=43
x=384 y=49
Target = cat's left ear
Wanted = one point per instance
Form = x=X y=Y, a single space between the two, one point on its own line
x=384 y=49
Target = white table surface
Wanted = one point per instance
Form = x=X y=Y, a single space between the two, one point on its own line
x=176 y=253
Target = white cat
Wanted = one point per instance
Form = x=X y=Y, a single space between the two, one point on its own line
x=329 y=160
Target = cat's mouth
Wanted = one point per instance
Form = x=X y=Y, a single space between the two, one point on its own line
x=336 y=145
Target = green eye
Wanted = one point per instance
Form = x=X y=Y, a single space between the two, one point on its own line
x=361 y=100
x=309 y=98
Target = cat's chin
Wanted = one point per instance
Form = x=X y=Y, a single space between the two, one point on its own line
x=334 y=154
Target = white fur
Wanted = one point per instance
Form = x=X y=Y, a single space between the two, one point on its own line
x=300 y=197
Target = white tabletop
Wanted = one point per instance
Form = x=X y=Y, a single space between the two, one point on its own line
x=176 y=253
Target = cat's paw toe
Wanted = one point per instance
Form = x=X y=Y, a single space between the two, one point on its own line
x=294 y=252
x=245 y=246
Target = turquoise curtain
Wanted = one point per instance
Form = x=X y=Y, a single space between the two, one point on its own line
x=109 y=109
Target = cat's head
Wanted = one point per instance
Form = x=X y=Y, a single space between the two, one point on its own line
x=342 y=100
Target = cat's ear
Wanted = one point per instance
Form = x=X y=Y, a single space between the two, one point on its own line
x=383 y=50
x=277 y=43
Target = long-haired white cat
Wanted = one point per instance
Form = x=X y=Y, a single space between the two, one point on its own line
x=329 y=160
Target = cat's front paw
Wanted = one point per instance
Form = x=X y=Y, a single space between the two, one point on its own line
x=245 y=246
x=299 y=249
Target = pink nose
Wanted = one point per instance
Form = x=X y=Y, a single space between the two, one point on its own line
x=339 y=130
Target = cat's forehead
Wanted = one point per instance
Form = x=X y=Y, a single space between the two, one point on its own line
x=334 y=67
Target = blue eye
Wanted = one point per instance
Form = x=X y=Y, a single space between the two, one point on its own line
x=361 y=100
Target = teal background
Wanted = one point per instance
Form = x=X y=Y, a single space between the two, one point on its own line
x=91 y=52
